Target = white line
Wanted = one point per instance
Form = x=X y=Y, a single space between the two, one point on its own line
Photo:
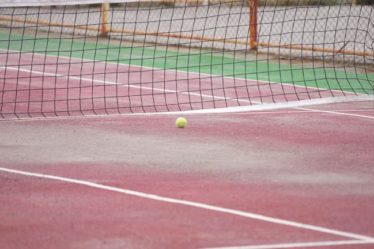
x=193 y=204
x=106 y=82
x=296 y=111
x=337 y=113
x=302 y=244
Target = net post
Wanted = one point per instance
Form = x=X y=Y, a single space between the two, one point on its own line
x=253 y=5
x=104 y=14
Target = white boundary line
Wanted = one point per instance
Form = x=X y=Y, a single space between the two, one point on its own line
x=106 y=82
x=193 y=204
x=308 y=111
x=301 y=244
x=339 y=113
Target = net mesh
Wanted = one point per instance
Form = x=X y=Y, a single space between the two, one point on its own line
x=141 y=57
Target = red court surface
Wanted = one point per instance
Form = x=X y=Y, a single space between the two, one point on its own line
x=290 y=178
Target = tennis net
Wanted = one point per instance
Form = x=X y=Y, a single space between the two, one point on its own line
x=92 y=57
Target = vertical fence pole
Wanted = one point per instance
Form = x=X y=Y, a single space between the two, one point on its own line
x=253 y=24
x=104 y=13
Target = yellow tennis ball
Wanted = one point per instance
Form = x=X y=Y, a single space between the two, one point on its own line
x=181 y=122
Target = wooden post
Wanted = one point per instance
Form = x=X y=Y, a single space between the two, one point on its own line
x=253 y=24
x=104 y=13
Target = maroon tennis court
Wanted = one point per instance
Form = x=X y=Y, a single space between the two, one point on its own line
x=277 y=152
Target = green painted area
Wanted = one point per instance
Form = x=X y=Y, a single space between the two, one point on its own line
x=207 y=62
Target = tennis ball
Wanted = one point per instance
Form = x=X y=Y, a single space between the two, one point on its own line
x=181 y=122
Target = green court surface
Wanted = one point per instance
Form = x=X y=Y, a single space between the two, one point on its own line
x=205 y=62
